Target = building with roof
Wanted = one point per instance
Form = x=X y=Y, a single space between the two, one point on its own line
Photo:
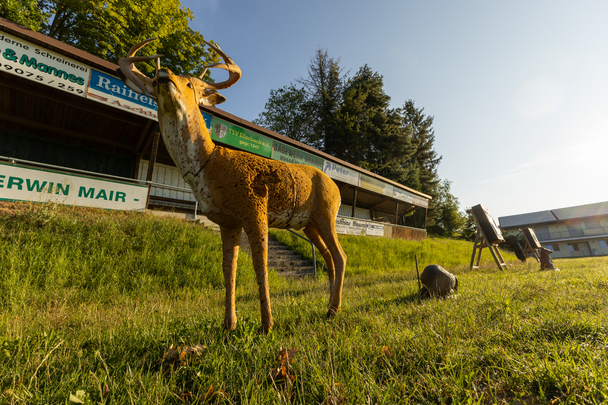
x=569 y=232
x=72 y=132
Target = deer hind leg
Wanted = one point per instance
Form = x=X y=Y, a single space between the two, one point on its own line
x=231 y=239
x=315 y=238
x=327 y=232
x=257 y=233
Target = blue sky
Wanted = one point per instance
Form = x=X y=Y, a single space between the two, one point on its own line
x=518 y=89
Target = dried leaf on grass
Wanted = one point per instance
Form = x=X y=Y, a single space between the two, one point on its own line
x=282 y=374
x=180 y=356
x=78 y=398
x=386 y=351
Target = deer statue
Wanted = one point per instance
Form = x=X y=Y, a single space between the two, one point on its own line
x=238 y=190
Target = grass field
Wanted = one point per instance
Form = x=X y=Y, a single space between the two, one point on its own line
x=124 y=308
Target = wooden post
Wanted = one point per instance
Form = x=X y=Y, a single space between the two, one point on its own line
x=153 y=152
x=425 y=216
x=354 y=203
x=397 y=214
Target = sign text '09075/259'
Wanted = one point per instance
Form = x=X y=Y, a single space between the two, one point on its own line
x=24 y=59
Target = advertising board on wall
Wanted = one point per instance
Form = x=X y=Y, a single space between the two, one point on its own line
x=378 y=186
x=25 y=59
x=402 y=195
x=347 y=226
x=421 y=202
x=19 y=183
x=233 y=135
x=341 y=173
x=112 y=91
x=289 y=154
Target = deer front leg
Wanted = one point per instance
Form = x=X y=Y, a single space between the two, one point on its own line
x=231 y=239
x=257 y=232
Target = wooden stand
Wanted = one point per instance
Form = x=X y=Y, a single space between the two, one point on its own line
x=532 y=245
x=528 y=249
x=481 y=241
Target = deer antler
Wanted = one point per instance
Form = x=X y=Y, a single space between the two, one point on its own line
x=132 y=77
x=229 y=65
x=205 y=91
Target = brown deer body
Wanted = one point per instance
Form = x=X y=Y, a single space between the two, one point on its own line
x=238 y=190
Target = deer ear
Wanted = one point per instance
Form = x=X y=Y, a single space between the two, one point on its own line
x=212 y=99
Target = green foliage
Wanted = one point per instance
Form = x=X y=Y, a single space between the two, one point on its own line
x=515 y=336
x=24 y=12
x=324 y=87
x=423 y=141
x=350 y=118
x=470 y=227
x=368 y=132
x=109 y=28
x=448 y=221
x=289 y=112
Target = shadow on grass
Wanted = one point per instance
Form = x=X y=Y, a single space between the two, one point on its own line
x=409 y=298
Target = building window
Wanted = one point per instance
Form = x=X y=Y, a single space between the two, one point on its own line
x=603 y=244
x=555 y=247
x=573 y=247
x=542 y=232
x=592 y=224
x=575 y=230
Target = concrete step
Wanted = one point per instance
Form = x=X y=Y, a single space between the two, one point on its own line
x=287 y=262
x=284 y=254
x=279 y=264
x=297 y=269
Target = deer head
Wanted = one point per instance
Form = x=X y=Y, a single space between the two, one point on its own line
x=204 y=92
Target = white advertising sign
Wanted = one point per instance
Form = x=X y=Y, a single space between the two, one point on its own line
x=36 y=185
x=402 y=195
x=410 y=198
x=27 y=60
x=346 y=226
x=112 y=91
x=341 y=173
x=421 y=202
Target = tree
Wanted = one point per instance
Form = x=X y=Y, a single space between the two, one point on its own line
x=289 y=112
x=108 y=29
x=350 y=119
x=28 y=13
x=426 y=158
x=423 y=139
x=449 y=220
x=369 y=134
x=470 y=227
x=324 y=86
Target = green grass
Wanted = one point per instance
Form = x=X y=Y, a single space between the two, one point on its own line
x=380 y=255
x=92 y=300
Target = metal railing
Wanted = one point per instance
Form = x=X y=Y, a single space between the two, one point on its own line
x=314 y=258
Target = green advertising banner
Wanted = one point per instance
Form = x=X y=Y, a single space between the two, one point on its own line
x=233 y=135
x=289 y=154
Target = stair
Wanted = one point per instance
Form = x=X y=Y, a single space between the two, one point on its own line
x=285 y=261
